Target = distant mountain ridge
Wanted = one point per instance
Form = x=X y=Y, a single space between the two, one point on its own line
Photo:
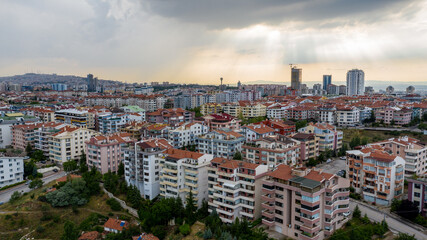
x=35 y=78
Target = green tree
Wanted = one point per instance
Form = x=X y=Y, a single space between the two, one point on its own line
x=343 y=149
x=237 y=156
x=301 y=124
x=184 y=229
x=30 y=169
x=114 y=204
x=36 y=183
x=29 y=149
x=71 y=232
x=121 y=170
x=15 y=197
x=70 y=166
x=405 y=236
x=82 y=163
x=190 y=208
x=355 y=141
x=38 y=156
x=395 y=205
x=357 y=213
x=74 y=193
x=364 y=141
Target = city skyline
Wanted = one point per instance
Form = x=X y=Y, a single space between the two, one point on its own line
x=134 y=41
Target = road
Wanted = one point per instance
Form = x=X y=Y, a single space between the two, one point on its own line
x=394 y=225
x=6 y=194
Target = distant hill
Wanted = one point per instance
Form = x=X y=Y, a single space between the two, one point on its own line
x=34 y=78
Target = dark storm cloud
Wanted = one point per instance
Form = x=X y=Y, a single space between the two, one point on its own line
x=221 y=14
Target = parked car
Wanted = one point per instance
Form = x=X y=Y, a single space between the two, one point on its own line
x=28 y=182
x=44 y=162
x=1 y=203
x=343 y=158
x=328 y=161
x=55 y=170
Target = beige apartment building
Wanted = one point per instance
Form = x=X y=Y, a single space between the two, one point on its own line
x=69 y=143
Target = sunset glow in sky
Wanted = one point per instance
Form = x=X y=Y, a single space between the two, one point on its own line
x=199 y=41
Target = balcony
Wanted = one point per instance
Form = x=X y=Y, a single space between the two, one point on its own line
x=268 y=205
x=267 y=221
x=268 y=214
x=267 y=197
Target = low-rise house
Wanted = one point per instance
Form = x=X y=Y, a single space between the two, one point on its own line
x=92 y=235
x=145 y=236
x=235 y=189
x=115 y=225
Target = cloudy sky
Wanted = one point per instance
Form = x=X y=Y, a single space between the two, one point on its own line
x=199 y=41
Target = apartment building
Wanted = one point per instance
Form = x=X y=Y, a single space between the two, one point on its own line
x=327 y=114
x=6 y=123
x=43 y=113
x=376 y=174
x=302 y=112
x=186 y=134
x=24 y=134
x=303 y=203
x=11 y=170
x=235 y=189
x=280 y=126
x=232 y=109
x=158 y=130
x=417 y=193
x=329 y=137
x=111 y=122
x=277 y=111
x=184 y=171
x=221 y=121
x=393 y=115
x=309 y=145
x=347 y=116
x=42 y=135
x=210 y=108
x=142 y=165
x=250 y=109
x=412 y=150
x=220 y=143
x=174 y=117
x=104 y=152
x=69 y=143
x=72 y=116
x=135 y=128
x=272 y=151
x=257 y=131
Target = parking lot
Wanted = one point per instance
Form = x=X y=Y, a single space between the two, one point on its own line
x=332 y=167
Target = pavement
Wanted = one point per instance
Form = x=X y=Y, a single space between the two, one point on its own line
x=332 y=167
x=6 y=194
x=395 y=225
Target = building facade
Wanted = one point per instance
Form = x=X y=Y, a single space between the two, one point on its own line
x=355 y=82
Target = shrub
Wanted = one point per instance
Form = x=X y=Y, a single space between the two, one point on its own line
x=114 y=204
x=357 y=213
x=40 y=229
x=185 y=229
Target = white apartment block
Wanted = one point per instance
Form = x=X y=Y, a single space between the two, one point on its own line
x=69 y=143
x=327 y=115
x=184 y=171
x=186 y=134
x=235 y=189
x=142 y=165
x=43 y=133
x=347 y=116
x=277 y=111
x=11 y=170
x=220 y=143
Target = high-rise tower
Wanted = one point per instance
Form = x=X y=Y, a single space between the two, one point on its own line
x=355 y=82
x=296 y=78
x=92 y=83
x=327 y=80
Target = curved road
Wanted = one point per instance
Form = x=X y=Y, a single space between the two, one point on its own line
x=6 y=194
x=395 y=226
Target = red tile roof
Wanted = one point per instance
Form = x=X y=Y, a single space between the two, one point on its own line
x=179 y=154
x=145 y=236
x=116 y=224
x=93 y=235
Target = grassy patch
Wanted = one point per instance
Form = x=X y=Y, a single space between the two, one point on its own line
x=375 y=136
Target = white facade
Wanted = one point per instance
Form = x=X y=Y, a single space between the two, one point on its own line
x=347 y=117
x=11 y=170
x=186 y=134
x=355 y=82
x=184 y=171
